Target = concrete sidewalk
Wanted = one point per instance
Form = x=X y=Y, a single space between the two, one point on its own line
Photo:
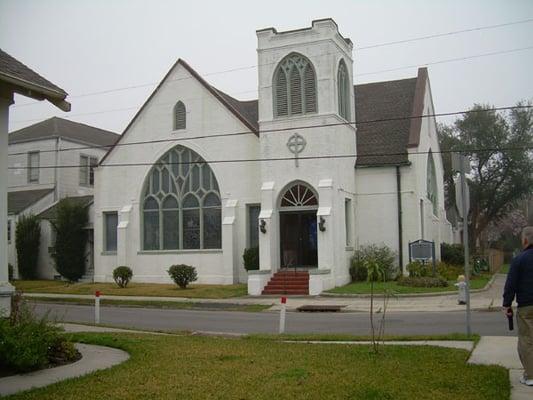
x=501 y=350
x=480 y=300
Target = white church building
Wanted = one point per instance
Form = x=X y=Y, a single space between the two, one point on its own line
x=309 y=172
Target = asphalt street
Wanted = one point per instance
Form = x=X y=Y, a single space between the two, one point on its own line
x=399 y=323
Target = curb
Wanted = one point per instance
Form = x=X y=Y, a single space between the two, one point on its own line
x=408 y=295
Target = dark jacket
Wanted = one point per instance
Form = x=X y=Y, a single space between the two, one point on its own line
x=520 y=280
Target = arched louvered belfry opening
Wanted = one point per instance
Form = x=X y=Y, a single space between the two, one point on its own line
x=294 y=86
x=180 y=116
x=180 y=204
x=431 y=184
x=298 y=206
x=343 y=90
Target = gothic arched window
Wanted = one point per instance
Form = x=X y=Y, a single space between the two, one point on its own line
x=181 y=207
x=343 y=89
x=431 y=183
x=180 y=116
x=294 y=87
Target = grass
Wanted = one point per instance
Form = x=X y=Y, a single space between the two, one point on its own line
x=133 y=289
x=192 y=367
x=173 y=305
x=478 y=282
x=504 y=269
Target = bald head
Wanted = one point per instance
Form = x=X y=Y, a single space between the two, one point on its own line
x=527 y=236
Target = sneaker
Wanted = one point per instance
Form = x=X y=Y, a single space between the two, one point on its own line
x=527 y=382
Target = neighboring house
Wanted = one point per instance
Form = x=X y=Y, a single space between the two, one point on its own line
x=338 y=185
x=35 y=185
x=16 y=77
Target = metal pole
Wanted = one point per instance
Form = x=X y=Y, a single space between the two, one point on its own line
x=465 y=243
x=282 y=315
x=97 y=307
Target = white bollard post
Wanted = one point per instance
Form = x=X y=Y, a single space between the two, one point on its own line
x=282 y=315
x=97 y=307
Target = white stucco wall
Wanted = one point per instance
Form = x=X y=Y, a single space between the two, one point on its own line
x=117 y=188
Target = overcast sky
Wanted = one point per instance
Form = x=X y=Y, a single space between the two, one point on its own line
x=99 y=45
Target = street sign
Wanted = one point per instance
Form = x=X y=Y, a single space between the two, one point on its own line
x=459 y=197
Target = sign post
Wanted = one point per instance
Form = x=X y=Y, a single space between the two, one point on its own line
x=462 y=195
x=97 y=307
x=282 y=315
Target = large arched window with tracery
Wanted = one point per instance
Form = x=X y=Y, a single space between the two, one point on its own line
x=431 y=183
x=181 y=207
x=294 y=86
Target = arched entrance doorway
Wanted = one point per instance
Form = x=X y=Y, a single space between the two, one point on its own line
x=298 y=228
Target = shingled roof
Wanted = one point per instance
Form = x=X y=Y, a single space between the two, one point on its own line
x=20 y=200
x=59 y=127
x=22 y=79
x=51 y=212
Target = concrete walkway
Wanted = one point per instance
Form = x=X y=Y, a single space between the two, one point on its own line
x=480 y=300
x=94 y=358
x=501 y=350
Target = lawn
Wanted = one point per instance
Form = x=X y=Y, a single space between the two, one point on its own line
x=133 y=289
x=192 y=367
x=478 y=282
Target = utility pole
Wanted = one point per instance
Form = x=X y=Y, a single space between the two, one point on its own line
x=465 y=206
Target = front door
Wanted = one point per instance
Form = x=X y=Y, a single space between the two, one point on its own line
x=298 y=239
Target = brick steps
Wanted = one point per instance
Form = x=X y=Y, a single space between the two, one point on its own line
x=288 y=282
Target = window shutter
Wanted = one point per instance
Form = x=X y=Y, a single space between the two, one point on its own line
x=180 y=116
x=296 y=91
x=281 y=94
x=310 y=89
x=343 y=90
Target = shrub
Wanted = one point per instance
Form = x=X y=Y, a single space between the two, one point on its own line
x=251 y=258
x=29 y=343
x=382 y=255
x=417 y=269
x=71 y=238
x=358 y=270
x=449 y=272
x=122 y=276
x=10 y=272
x=426 y=281
x=27 y=241
x=452 y=254
x=182 y=274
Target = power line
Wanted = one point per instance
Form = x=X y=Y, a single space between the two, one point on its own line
x=415 y=39
x=300 y=158
x=242 y=68
x=248 y=132
x=361 y=74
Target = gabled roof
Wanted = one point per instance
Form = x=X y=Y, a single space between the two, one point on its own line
x=21 y=79
x=20 y=200
x=401 y=101
x=59 y=127
x=245 y=111
x=51 y=212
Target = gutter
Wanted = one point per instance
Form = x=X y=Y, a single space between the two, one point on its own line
x=400 y=226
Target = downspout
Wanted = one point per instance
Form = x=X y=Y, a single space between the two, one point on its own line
x=400 y=227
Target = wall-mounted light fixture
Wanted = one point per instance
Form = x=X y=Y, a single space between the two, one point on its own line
x=322 y=224
x=262 y=226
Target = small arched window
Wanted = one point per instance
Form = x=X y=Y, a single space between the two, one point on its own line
x=294 y=87
x=431 y=183
x=181 y=207
x=180 y=116
x=343 y=89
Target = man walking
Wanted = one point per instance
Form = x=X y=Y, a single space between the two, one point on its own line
x=519 y=283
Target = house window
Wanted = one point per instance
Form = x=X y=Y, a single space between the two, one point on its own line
x=181 y=204
x=8 y=231
x=253 y=227
x=343 y=89
x=431 y=184
x=110 y=231
x=33 y=167
x=87 y=165
x=294 y=87
x=348 y=221
x=180 y=120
